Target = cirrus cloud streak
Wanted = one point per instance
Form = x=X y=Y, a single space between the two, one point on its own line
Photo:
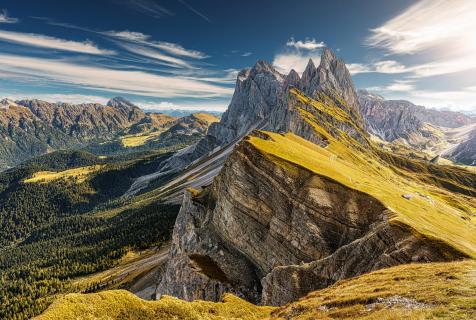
x=100 y=78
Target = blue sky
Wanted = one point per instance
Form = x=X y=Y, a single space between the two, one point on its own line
x=185 y=54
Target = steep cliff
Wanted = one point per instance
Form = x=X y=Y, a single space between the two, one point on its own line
x=291 y=213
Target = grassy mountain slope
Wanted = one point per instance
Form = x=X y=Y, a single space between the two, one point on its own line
x=436 y=201
x=415 y=291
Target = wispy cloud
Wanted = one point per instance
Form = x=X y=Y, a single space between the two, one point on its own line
x=178 y=50
x=38 y=40
x=147 y=7
x=144 y=39
x=198 y=13
x=127 y=35
x=396 y=86
x=428 y=24
x=442 y=32
x=156 y=55
x=247 y=54
x=385 y=66
x=100 y=78
x=200 y=105
x=308 y=44
x=4 y=18
x=53 y=98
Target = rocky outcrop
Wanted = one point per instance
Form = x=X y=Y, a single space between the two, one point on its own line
x=270 y=230
x=260 y=101
x=271 y=233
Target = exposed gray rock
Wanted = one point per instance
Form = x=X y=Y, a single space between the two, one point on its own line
x=260 y=101
x=291 y=230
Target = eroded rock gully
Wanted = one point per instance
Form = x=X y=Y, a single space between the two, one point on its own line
x=272 y=232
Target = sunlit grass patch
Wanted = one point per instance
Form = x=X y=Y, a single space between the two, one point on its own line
x=77 y=174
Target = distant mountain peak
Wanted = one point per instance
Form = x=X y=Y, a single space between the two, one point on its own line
x=120 y=102
x=5 y=103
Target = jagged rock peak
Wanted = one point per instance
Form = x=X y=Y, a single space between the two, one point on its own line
x=293 y=78
x=120 y=102
x=310 y=69
x=327 y=57
x=262 y=66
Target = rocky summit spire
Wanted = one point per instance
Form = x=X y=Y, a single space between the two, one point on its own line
x=308 y=76
x=292 y=79
x=333 y=77
x=327 y=58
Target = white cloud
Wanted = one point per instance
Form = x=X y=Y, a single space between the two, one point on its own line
x=4 y=18
x=66 y=98
x=156 y=55
x=427 y=24
x=284 y=62
x=127 y=35
x=178 y=50
x=385 y=66
x=442 y=32
x=169 y=47
x=247 y=54
x=442 y=67
x=396 y=86
x=202 y=105
x=456 y=100
x=462 y=100
x=99 y=78
x=308 y=44
x=38 y=40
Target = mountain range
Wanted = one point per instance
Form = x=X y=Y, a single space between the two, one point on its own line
x=32 y=127
x=307 y=199
x=312 y=191
x=446 y=133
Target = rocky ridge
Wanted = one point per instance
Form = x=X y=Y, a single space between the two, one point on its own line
x=30 y=128
x=296 y=205
x=424 y=129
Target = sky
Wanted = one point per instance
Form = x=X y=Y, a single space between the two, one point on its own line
x=185 y=54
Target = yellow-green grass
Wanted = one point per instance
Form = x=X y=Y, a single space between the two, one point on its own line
x=206 y=117
x=422 y=291
x=77 y=174
x=438 y=290
x=136 y=140
x=434 y=217
x=120 y=304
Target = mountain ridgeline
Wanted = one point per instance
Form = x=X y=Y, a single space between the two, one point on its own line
x=306 y=195
x=289 y=192
x=30 y=128
x=446 y=133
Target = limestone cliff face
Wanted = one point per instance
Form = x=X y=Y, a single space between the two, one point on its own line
x=272 y=232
